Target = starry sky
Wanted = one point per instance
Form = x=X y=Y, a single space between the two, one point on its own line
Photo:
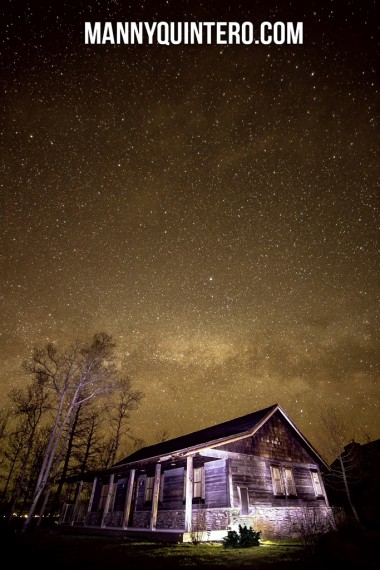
x=214 y=208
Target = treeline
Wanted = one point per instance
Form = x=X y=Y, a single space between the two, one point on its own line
x=71 y=416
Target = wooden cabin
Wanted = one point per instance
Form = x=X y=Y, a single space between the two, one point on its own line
x=257 y=470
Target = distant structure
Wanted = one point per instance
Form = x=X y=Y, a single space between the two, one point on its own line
x=257 y=470
x=362 y=467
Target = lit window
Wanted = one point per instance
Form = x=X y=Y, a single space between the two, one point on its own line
x=283 y=481
x=278 y=484
x=289 y=481
x=198 y=483
x=316 y=483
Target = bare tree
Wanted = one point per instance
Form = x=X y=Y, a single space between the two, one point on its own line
x=82 y=445
x=87 y=449
x=4 y=422
x=117 y=409
x=337 y=434
x=29 y=405
x=11 y=457
x=75 y=375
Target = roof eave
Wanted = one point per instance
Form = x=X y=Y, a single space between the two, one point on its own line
x=185 y=451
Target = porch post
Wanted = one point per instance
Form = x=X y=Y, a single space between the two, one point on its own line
x=156 y=492
x=189 y=493
x=76 y=502
x=108 y=500
x=128 y=499
x=91 y=498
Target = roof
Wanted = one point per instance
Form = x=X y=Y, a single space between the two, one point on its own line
x=203 y=436
x=217 y=434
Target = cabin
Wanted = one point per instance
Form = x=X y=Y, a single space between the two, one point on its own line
x=257 y=470
x=361 y=464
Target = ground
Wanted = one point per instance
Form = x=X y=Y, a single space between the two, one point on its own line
x=49 y=549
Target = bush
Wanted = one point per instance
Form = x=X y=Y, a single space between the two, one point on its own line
x=246 y=538
x=231 y=540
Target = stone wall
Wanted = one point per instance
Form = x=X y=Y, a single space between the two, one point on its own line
x=280 y=523
x=114 y=518
x=272 y=522
x=94 y=519
x=171 y=519
x=141 y=519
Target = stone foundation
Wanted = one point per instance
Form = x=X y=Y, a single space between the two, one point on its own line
x=141 y=519
x=280 y=522
x=171 y=520
x=272 y=522
x=93 y=519
x=114 y=519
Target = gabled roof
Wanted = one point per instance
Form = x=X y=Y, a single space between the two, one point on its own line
x=217 y=435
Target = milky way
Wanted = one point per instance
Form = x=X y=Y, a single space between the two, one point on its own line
x=213 y=208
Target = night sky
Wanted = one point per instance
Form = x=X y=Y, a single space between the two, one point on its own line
x=214 y=208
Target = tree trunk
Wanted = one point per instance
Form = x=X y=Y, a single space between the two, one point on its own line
x=348 y=494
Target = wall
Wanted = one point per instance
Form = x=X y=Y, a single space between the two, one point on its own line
x=275 y=440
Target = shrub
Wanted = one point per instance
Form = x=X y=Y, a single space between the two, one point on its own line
x=246 y=538
x=231 y=540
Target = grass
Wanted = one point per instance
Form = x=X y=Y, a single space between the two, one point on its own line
x=48 y=550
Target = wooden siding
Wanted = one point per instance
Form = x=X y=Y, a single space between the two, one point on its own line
x=216 y=484
x=274 y=440
x=255 y=474
x=172 y=493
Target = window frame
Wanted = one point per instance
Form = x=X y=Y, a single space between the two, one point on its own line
x=198 y=483
x=278 y=491
x=197 y=498
x=283 y=485
x=317 y=483
x=241 y=489
x=104 y=494
x=290 y=485
x=148 y=491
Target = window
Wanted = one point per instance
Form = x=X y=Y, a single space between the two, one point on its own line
x=290 y=486
x=103 y=497
x=149 y=488
x=316 y=483
x=198 y=484
x=283 y=481
x=149 y=482
x=244 y=500
x=278 y=485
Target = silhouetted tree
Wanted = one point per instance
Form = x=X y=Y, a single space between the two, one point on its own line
x=29 y=406
x=75 y=375
x=118 y=409
x=337 y=434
